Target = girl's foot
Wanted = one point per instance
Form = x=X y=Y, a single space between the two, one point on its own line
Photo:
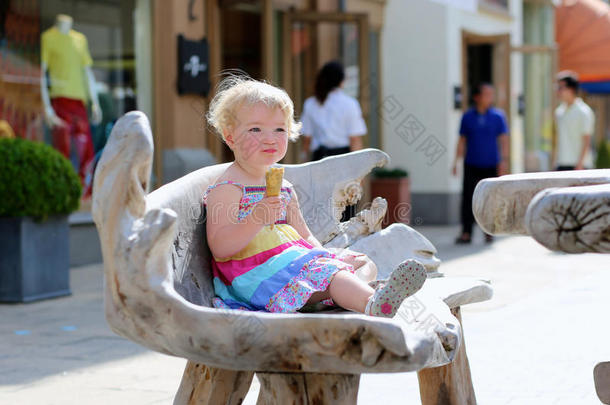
x=403 y=282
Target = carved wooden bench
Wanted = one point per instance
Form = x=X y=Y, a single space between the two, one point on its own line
x=567 y=211
x=158 y=288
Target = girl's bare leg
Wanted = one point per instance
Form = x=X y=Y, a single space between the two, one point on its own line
x=346 y=290
x=363 y=265
x=349 y=292
x=367 y=271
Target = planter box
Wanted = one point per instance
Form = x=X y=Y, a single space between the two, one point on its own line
x=34 y=259
x=397 y=192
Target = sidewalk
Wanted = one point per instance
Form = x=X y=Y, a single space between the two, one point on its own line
x=61 y=351
x=535 y=342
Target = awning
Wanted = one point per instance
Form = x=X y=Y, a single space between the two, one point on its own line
x=582 y=33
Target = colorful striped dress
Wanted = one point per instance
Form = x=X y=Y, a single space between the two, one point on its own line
x=278 y=270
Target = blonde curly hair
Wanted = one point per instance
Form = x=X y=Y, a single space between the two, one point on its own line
x=235 y=91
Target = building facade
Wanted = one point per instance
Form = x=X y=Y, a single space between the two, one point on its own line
x=281 y=41
x=411 y=64
x=435 y=51
x=134 y=45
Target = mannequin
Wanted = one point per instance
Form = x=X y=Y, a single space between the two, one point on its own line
x=6 y=131
x=65 y=58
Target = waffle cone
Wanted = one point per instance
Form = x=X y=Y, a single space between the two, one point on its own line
x=274 y=178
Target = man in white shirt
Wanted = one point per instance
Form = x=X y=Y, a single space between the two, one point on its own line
x=575 y=125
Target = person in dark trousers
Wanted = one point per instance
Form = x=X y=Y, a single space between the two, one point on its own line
x=484 y=146
x=332 y=120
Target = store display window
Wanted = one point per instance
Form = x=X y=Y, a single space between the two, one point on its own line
x=67 y=72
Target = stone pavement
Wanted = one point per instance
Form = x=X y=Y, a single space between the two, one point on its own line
x=535 y=342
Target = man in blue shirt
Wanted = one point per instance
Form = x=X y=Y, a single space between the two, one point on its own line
x=484 y=142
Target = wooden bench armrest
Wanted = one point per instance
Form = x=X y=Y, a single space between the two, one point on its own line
x=499 y=204
x=571 y=219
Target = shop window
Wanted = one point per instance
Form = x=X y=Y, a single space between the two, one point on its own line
x=20 y=104
x=100 y=29
x=109 y=28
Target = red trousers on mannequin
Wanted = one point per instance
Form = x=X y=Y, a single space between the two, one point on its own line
x=75 y=134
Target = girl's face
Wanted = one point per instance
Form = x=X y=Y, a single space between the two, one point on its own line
x=260 y=136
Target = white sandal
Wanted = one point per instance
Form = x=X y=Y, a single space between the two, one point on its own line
x=406 y=279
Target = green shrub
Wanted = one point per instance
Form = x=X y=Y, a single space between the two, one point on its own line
x=603 y=155
x=381 y=172
x=36 y=180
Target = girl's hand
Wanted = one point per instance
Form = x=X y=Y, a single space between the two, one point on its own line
x=268 y=210
x=348 y=256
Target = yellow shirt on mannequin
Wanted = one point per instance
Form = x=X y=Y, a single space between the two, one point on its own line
x=66 y=56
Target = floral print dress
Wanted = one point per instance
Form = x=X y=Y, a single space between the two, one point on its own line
x=278 y=270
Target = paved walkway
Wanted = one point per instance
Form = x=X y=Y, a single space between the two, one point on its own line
x=536 y=342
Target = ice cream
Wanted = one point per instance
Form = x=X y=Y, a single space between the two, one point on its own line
x=273 y=179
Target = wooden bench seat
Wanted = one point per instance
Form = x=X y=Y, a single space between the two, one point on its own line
x=158 y=287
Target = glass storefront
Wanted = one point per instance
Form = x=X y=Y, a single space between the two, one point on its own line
x=108 y=29
x=20 y=103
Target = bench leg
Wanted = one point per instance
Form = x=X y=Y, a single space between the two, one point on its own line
x=308 y=388
x=601 y=376
x=202 y=385
x=450 y=384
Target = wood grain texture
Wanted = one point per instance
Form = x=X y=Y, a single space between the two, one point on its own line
x=450 y=384
x=202 y=385
x=571 y=219
x=308 y=389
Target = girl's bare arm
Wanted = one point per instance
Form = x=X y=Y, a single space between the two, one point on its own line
x=226 y=235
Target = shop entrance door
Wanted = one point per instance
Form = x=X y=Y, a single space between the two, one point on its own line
x=311 y=39
x=486 y=58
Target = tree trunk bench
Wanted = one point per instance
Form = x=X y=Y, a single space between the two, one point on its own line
x=566 y=211
x=158 y=288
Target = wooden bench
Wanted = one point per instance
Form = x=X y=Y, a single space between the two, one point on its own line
x=158 y=288
x=567 y=211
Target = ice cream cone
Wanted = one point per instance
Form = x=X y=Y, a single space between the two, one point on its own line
x=273 y=179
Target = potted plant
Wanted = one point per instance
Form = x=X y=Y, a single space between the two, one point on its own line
x=393 y=185
x=38 y=189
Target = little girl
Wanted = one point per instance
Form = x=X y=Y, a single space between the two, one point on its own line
x=264 y=255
